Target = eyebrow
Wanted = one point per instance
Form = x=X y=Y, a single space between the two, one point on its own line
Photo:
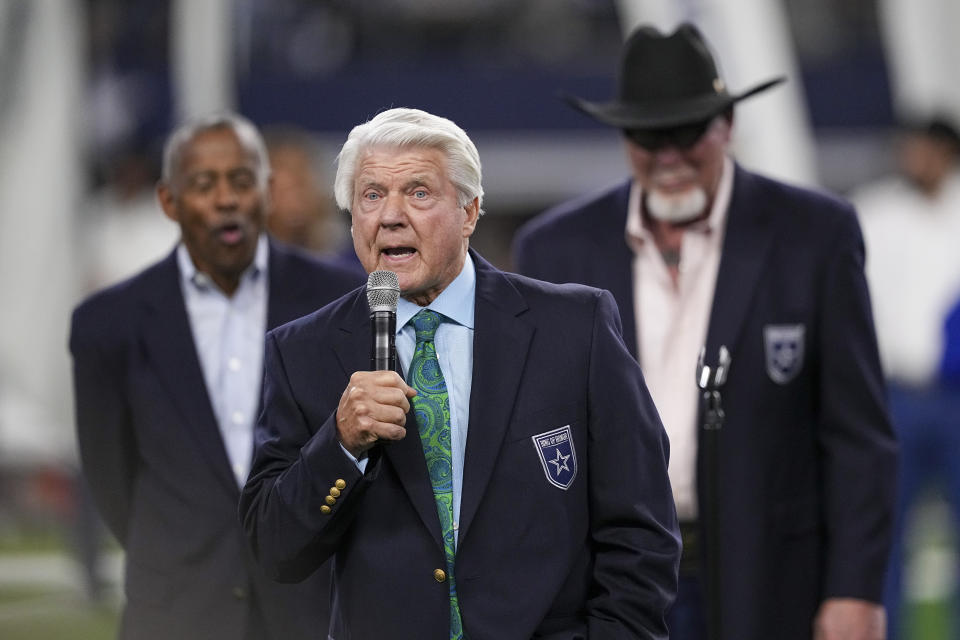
x=371 y=184
x=197 y=175
x=416 y=182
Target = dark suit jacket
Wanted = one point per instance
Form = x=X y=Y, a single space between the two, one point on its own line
x=533 y=559
x=159 y=473
x=806 y=455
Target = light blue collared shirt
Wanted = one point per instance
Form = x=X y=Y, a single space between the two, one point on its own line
x=229 y=336
x=454 y=343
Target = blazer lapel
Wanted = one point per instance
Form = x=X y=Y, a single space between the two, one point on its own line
x=614 y=261
x=282 y=294
x=406 y=455
x=288 y=290
x=500 y=346
x=746 y=246
x=168 y=343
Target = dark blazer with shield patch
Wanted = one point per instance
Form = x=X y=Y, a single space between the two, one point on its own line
x=592 y=551
x=156 y=464
x=807 y=458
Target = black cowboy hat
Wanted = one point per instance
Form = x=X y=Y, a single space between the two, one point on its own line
x=666 y=81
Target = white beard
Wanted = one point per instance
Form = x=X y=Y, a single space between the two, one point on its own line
x=676 y=208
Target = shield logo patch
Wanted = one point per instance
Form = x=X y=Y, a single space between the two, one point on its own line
x=557 y=456
x=783 y=344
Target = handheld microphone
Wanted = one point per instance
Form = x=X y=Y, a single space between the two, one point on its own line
x=383 y=293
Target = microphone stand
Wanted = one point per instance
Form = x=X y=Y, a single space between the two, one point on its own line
x=710 y=380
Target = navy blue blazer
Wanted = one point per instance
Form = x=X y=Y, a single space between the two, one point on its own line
x=807 y=454
x=156 y=465
x=543 y=552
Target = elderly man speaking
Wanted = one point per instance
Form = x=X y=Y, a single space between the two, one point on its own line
x=512 y=483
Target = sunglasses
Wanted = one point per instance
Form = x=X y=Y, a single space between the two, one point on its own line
x=682 y=137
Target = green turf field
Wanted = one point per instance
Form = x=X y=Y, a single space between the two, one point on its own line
x=41 y=594
x=53 y=614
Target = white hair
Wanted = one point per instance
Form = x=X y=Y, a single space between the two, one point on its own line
x=407 y=128
x=246 y=132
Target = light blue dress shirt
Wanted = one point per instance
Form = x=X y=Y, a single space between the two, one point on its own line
x=454 y=343
x=229 y=336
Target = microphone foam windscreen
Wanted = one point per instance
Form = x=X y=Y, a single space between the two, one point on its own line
x=383 y=291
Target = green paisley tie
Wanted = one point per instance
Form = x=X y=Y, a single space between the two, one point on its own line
x=432 y=408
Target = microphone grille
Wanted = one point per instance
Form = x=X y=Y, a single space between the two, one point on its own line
x=383 y=291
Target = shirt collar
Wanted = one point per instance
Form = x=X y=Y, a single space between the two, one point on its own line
x=637 y=233
x=190 y=275
x=456 y=301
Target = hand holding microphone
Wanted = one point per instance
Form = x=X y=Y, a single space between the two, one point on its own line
x=375 y=403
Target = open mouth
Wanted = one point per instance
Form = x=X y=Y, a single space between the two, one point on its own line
x=230 y=233
x=399 y=252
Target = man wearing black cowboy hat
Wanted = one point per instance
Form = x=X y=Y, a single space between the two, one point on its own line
x=784 y=479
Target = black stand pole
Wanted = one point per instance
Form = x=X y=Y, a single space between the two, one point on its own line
x=711 y=380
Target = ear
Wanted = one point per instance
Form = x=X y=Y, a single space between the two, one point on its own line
x=725 y=120
x=728 y=114
x=473 y=214
x=168 y=202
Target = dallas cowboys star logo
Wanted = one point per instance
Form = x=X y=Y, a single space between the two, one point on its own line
x=560 y=462
x=557 y=456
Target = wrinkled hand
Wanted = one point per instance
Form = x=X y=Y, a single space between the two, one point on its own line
x=373 y=407
x=850 y=619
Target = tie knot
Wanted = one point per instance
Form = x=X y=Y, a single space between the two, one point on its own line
x=425 y=323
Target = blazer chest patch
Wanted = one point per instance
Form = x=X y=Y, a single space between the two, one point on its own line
x=783 y=345
x=557 y=456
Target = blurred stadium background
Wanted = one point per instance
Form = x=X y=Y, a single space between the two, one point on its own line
x=88 y=88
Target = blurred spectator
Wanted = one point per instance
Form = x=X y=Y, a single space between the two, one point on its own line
x=785 y=511
x=167 y=372
x=302 y=211
x=911 y=226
